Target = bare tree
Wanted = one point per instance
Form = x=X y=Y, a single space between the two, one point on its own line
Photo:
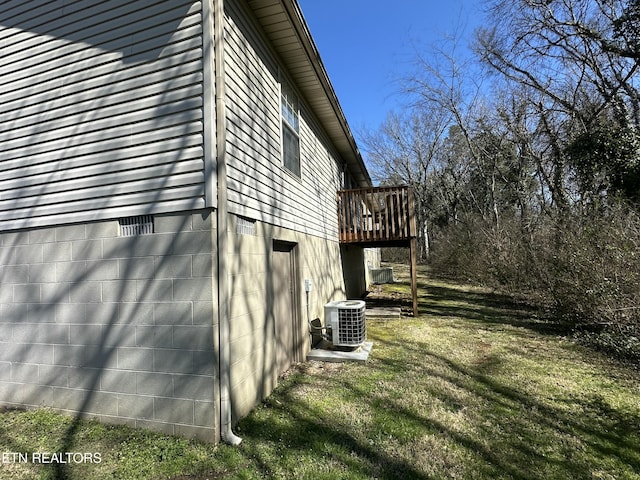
x=403 y=150
x=580 y=56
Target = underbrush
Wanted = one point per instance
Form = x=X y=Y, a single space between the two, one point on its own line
x=582 y=269
x=622 y=343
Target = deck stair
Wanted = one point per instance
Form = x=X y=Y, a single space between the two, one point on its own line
x=384 y=313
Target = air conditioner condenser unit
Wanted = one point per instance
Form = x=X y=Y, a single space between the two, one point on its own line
x=347 y=320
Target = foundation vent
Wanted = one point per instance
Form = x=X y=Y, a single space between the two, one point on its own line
x=135 y=226
x=245 y=226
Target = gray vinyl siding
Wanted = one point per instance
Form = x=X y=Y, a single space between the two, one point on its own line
x=259 y=186
x=100 y=110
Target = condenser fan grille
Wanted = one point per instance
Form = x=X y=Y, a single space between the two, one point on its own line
x=352 y=330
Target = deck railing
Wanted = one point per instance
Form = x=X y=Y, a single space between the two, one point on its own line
x=376 y=214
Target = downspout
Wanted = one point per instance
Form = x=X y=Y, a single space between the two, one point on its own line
x=224 y=326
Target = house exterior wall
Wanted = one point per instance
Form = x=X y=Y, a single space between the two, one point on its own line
x=102 y=117
x=300 y=211
x=372 y=259
x=105 y=118
x=253 y=346
x=259 y=185
x=102 y=110
x=117 y=328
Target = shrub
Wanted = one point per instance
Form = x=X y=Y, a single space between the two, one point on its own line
x=585 y=268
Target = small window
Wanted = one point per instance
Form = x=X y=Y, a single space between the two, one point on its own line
x=290 y=129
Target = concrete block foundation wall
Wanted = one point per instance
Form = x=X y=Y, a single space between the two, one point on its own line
x=122 y=329
x=253 y=340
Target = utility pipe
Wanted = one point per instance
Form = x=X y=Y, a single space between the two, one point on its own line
x=224 y=327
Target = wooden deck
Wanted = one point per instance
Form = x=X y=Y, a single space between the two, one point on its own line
x=377 y=216
x=380 y=217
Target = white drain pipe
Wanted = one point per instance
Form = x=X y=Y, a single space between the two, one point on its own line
x=222 y=230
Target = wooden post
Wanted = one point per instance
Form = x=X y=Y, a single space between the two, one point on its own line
x=414 y=276
x=412 y=250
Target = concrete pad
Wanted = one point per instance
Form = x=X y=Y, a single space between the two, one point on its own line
x=329 y=353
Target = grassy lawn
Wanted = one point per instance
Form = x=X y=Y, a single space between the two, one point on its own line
x=476 y=387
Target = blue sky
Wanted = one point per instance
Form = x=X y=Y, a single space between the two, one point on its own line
x=367 y=45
